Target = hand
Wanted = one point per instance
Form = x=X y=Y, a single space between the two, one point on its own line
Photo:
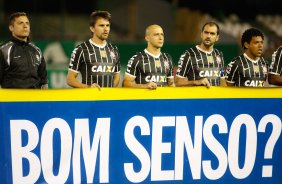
x=94 y=85
x=203 y=82
x=152 y=85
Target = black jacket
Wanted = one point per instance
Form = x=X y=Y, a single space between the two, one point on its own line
x=22 y=65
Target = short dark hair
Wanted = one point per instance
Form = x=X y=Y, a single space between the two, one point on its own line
x=248 y=34
x=99 y=14
x=15 y=15
x=211 y=24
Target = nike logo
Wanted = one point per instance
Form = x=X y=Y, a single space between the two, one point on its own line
x=246 y=68
x=146 y=63
x=197 y=60
x=15 y=57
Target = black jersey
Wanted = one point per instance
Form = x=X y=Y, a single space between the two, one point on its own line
x=276 y=64
x=95 y=63
x=22 y=65
x=243 y=71
x=196 y=64
x=148 y=68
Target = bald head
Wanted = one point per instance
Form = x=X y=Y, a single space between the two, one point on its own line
x=154 y=36
x=150 y=29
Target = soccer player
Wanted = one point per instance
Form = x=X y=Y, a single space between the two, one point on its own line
x=248 y=69
x=96 y=60
x=275 y=73
x=151 y=67
x=22 y=64
x=202 y=65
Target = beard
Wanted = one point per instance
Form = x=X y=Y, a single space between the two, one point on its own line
x=103 y=36
x=207 y=43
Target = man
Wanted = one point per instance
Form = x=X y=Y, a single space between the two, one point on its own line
x=275 y=73
x=248 y=69
x=202 y=65
x=150 y=68
x=96 y=60
x=22 y=64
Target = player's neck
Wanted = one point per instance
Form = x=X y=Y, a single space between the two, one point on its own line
x=98 y=41
x=24 y=39
x=206 y=48
x=251 y=56
x=153 y=50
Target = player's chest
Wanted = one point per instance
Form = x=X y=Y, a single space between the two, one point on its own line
x=250 y=69
x=206 y=60
x=98 y=55
x=154 y=66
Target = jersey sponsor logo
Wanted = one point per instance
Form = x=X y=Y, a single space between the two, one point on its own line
x=229 y=66
x=254 y=83
x=106 y=69
x=73 y=55
x=209 y=73
x=155 y=78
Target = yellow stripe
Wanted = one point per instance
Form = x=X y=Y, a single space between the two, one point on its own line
x=13 y=95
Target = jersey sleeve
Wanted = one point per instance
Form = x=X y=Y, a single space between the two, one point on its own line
x=117 y=66
x=222 y=71
x=170 y=73
x=76 y=59
x=2 y=61
x=132 y=64
x=231 y=71
x=183 y=65
x=276 y=64
x=42 y=72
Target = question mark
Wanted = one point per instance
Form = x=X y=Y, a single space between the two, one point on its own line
x=275 y=134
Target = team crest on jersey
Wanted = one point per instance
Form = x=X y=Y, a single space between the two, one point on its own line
x=218 y=59
x=158 y=63
x=264 y=69
x=112 y=54
x=210 y=59
x=166 y=64
x=103 y=53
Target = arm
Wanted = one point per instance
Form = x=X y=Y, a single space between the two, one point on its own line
x=1 y=68
x=129 y=81
x=275 y=68
x=42 y=73
x=116 y=79
x=184 y=64
x=230 y=83
x=274 y=79
x=179 y=81
x=170 y=82
x=73 y=82
x=231 y=73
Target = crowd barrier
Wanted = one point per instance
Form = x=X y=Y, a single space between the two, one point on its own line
x=168 y=135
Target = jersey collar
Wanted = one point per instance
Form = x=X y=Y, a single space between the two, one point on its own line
x=254 y=61
x=155 y=56
x=199 y=48
x=100 y=46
